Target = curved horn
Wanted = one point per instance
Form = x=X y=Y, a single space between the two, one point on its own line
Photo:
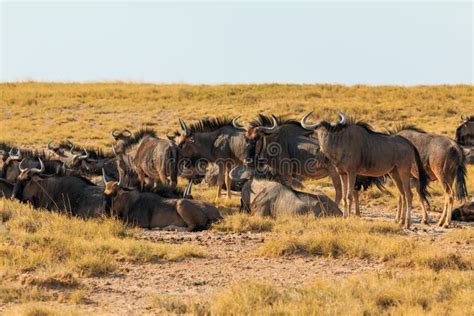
x=120 y=179
x=113 y=150
x=22 y=170
x=114 y=133
x=308 y=126
x=184 y=127
x=36 y=170
x=232 y=176
x=275 y=125
x=104 y=176
x=342 y=117
x=85 y=152
x=236 y=126
x=187 y=191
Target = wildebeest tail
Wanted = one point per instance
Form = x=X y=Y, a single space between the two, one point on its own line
x=364 y=182
x=423 y=179
x=458 y=157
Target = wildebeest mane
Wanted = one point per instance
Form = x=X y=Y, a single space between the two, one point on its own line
x=405 y=127
x=34 y=153
x=210 y=124
x=266 y=120
x=349 y=121
x=137 y=137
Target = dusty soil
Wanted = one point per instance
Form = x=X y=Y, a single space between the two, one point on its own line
x=130 y=291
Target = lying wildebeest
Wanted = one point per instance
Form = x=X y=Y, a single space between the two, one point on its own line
x=356 y=149
x=153 y=158
x=29 y=158
x=150 y=210
x=69 y=194
x=84 y=160
x=215 y=140
x=6 y=188
x=291 y=153
x=443 y=160
x=263 y=196
x=464 y=212
x=465 y=137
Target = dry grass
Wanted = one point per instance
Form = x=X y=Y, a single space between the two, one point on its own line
x=42 y=252
x=45 y=250
x=416 y=293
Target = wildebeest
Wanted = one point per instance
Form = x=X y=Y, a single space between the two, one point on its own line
x=443 y=160
x=153 y=158
x=11 y=167
x=68 y=194
x=6 y=188
x=292 y=154
x=464 y=212
x=465 y=137
x=263 y=196
x=215 y=140
x=150 y=210
x=356 y=149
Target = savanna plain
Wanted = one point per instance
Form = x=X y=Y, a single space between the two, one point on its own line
x=52 y=264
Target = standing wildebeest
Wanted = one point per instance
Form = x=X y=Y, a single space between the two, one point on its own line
x=263 y=196
x=153 y=158
x=290 y=151
x=465 y=137
x=215 y=140
x=71 y=194
x=355 y=148
x=150 y=210
x=442 y=159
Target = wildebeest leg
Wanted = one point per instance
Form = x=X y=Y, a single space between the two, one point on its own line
x=356 y=200
x=220 y=181
x=336 y=182
x=405 y=177
x=351 y=179
x=344 y=180
x=446 y=216
x=228 y=181
x=401 y=196
x=192 y=215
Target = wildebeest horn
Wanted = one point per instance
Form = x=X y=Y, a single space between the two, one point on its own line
x=104 y=176
x=187 y=191
x=114 y=133
x=34 y=170
x=16 y=155
x=275 y=125
x=232 y=176
x=113 y=150
x=184 y=127
x=86 y=153
x=308 y=126
x=342 y=117
x=22 y=169
x=236 y=126
x=120 y=179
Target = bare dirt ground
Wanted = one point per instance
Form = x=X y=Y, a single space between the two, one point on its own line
x=230 y=260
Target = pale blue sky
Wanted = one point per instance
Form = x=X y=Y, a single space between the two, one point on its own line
x=239 y=42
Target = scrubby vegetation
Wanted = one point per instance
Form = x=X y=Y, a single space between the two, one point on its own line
x=45 y=257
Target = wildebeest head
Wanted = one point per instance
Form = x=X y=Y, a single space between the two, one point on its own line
x=121 y=138
x=26 y=174
x=465 y=131
x=324 y=124
x=253 y=138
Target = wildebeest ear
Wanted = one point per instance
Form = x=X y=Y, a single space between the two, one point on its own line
x=171 y=137
x=463 y=117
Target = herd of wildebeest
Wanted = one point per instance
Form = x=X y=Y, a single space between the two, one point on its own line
x=263 y=162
